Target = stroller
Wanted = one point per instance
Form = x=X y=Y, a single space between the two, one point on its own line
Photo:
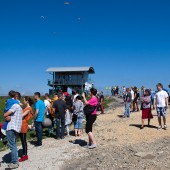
x=2 y=136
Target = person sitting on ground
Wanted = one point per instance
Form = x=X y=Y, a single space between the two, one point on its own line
x=146 y=108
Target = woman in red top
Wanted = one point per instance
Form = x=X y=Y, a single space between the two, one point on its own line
x=27 y=115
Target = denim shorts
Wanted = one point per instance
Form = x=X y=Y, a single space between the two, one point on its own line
x=161 y=111
x=78 y=123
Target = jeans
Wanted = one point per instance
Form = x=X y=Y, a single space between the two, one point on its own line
x=39 y=132
x=127 y=110
x=50 y=130
x=60 y=131
x=11 y=137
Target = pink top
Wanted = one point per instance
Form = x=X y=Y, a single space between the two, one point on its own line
x=93 y=102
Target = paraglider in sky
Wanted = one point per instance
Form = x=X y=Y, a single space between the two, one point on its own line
x=66 y=3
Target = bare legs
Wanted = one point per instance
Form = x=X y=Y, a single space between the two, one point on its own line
x=91 y=139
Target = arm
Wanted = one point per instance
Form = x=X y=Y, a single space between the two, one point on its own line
x=167 y=102
x=84 y=98
x=36 y=113
x=25 y=113
x=8 y=113
x=154 y=104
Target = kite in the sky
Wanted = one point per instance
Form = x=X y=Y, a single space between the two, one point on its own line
x=66 y=3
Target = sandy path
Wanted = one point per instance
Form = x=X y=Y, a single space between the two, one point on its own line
x=114 y=136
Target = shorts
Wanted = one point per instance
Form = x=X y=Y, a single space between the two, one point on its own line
x=78 y=123
x=161 y=111
x=89 y=124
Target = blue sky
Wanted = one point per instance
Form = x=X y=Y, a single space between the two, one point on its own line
x=127 y=42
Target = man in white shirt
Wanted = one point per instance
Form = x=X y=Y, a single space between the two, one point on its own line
x=161 y=103
x=47 y=103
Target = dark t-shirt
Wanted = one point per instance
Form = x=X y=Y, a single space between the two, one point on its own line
x=129 y=97
x=101 y=98
x=137 y=96
x=60 y=108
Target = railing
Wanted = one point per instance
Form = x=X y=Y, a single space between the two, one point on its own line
x=64 y=82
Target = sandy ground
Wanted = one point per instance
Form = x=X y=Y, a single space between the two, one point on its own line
x=121 y=145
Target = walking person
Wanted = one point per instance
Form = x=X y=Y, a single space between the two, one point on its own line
x=39 y=117
x=60 y=108
x=128 y=102
x=79 y=115
x=92 y=117
x=101 y=102
x=146 y=108
x=136 y=100
x=26 y=116
x=133 y=96
x=161 y=103
x=14 y=118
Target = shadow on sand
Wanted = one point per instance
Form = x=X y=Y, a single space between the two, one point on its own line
x=139 y=126
x=79 y=142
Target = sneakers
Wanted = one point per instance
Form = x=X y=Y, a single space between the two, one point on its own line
x=159 y=127
x=92 y=146
x=165 y=127
x=13 y=166
x=23 y=158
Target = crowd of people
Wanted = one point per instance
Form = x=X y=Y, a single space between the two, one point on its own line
x=61 y=111
x=149 y=100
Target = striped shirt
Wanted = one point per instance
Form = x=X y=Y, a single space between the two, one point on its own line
x=16 y=118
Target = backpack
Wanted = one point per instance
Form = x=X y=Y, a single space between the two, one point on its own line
x=50 y=109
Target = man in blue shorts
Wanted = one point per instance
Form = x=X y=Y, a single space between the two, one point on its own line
x=161 y=103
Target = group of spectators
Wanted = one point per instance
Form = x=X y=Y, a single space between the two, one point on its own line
x=149 y=101
x=61 y=110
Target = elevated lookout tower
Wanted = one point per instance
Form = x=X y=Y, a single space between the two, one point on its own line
x=68 y=77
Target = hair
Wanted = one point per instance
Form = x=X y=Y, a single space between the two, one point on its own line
x=18 y=95
x=148 y=91
x=93 y=91
x=29 y=100
x=159 y=84
x=78 y=98
x=60 y=95
x=46 y=94
x=37 y=94
x=12 y=93
x=101 y=92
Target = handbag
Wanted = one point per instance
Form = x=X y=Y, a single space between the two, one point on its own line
x=88 y=110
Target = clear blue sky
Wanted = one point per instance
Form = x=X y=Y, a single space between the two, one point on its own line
x=126 y=41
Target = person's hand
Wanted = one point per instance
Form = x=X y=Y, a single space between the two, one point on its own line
x=83 y=94
x=8 y=118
